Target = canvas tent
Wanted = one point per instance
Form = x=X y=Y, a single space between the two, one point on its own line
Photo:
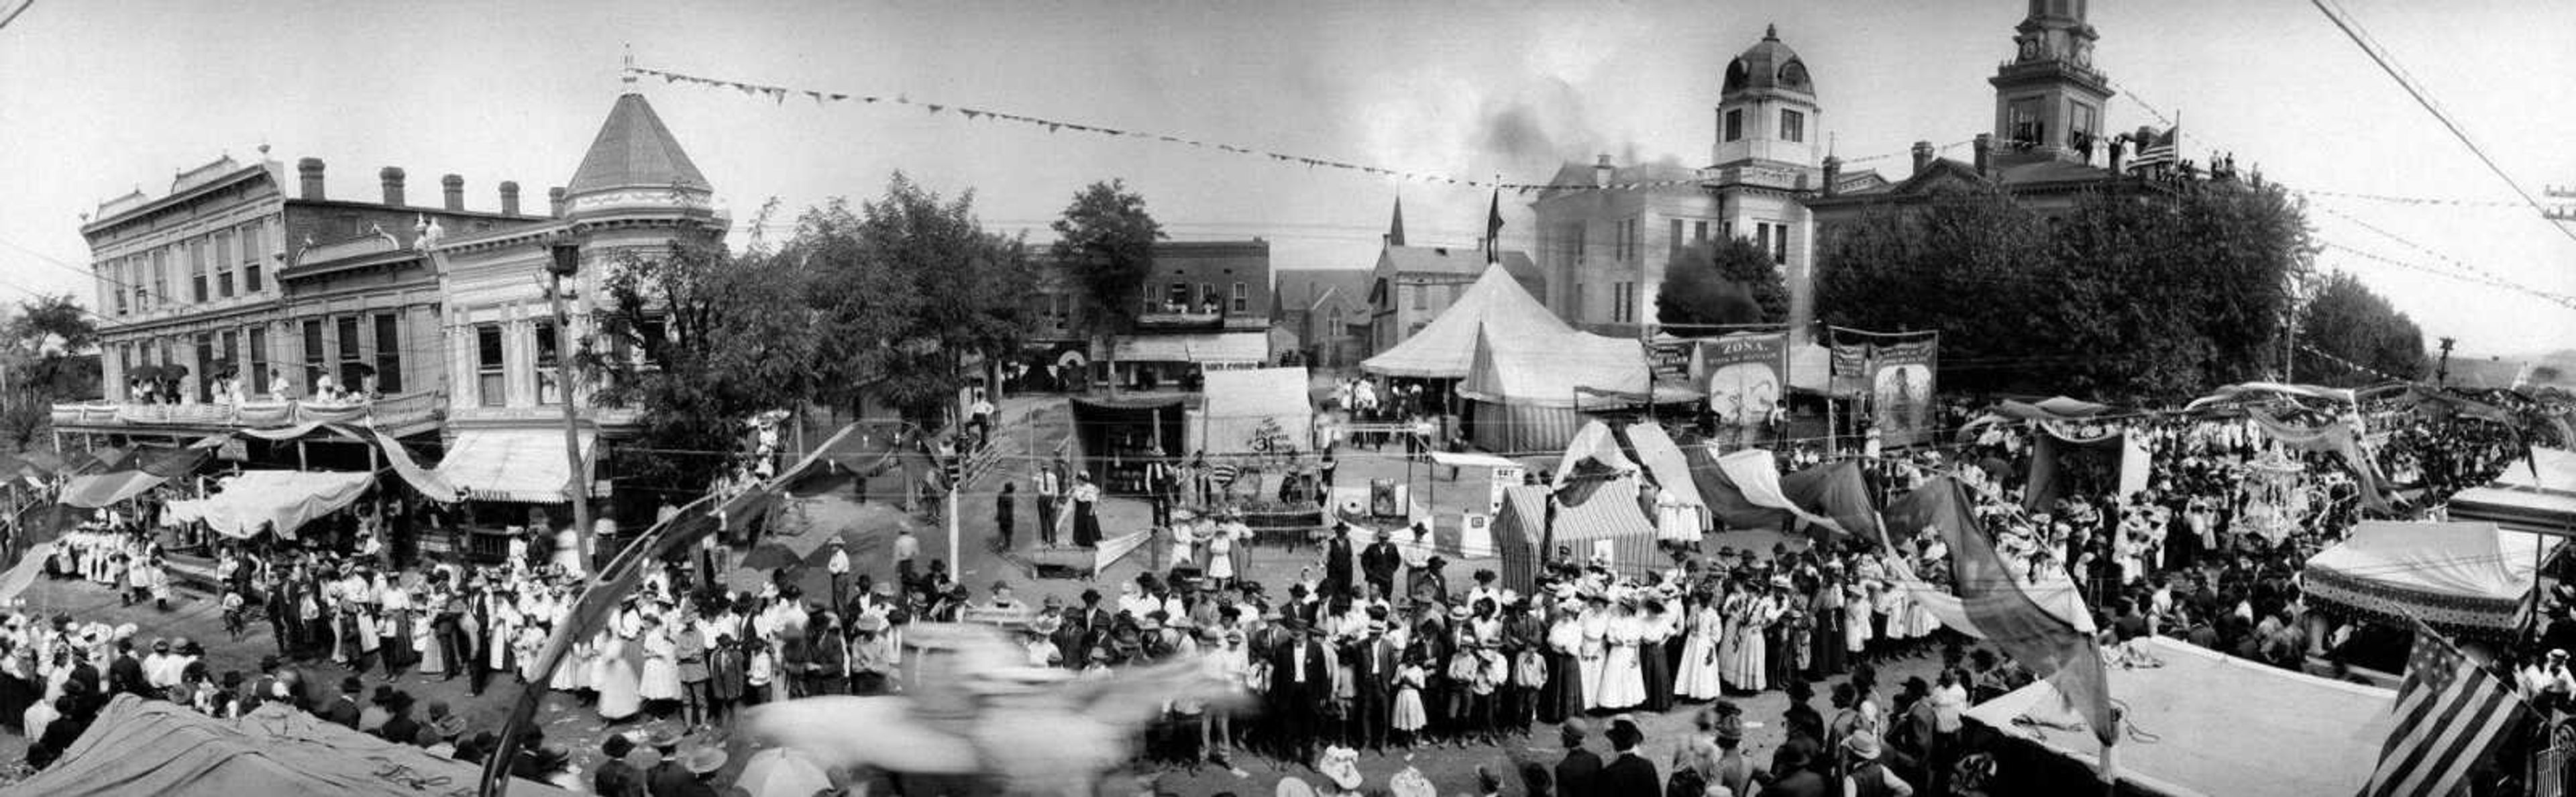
x=164 y=749
x=2286 y=734
x=279 y=500
x=1527 y=391
x=1238 y=401
x=2468 y=579
x=1520 y=531
x=1608 y=525
x=2537 y=495
x=1446 y=348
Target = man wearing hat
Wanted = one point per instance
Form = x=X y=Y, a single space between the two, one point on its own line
x=1301 y=679
x=399 y=727
x=667 y=778
x=1577 y=772
x=1338 y=561
x=1373 y=665
x=344 y=708
x=1628 y=772
x=839 y=567
x=702 y=763
x=448 y=726
x=1864 y=774
x=1379 y=562
x=1793 y=771
x=615 y=777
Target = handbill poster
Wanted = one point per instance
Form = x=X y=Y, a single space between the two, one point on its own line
x=1901 y=385
x=1745 y=373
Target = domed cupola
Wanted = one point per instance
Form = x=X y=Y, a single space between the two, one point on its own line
x=1767 y=109
x=1768 y=65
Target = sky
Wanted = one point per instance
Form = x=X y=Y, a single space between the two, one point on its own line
x=97 y=99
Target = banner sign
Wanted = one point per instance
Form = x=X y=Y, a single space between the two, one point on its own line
x=1011 y=617
x=1745 y=375
x=1901 y=386
x=1669 y=359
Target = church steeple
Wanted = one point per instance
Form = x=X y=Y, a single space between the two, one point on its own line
x=1395 y=227
x=2048 y=97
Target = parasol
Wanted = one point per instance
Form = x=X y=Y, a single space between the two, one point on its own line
x=782 y=772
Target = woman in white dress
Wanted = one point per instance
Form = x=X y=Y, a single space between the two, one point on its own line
x=1623 y=683
x=1595 y=650
x=1858 y=604
x=1704 y=629
x=617 y=678
x=1746 y=670
x=1220 y=560
x=660 y=680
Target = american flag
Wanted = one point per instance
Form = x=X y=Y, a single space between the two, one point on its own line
x=2450 y=712
x=2158 y=150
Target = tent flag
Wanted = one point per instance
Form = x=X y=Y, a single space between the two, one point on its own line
x=2053 y=648
x=1757 y=480
x=22 y=575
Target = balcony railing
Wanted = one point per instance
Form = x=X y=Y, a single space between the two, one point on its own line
x=385 y=412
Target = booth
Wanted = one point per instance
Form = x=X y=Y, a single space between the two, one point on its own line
x=2204 y=723
x=2469 y=580
x=1605 y=524
x=1240 y=402
x=1117 y=437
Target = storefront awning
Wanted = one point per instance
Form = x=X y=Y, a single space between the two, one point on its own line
x=101 y=489
x=280 y=500
x=1205 y=348
x=516 y=465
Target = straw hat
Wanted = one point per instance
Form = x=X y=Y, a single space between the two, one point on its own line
x=704 y=759
x=1861 y=746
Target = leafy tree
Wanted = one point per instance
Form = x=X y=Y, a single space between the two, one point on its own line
x=906 y=288
x=1721 y=282
x=2122 y=296
x=45 y=344
x=697 y=340
x=1106 y=239
x=2348 y=320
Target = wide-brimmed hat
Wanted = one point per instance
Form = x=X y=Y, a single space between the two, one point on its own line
x=1861 y=746
x=449 y=726
x=703 y=759
x=870 y=622
x=662 y=737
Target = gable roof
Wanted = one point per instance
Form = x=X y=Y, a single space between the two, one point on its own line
x=634 y=150
x=1301 y=289
x=1458 y=261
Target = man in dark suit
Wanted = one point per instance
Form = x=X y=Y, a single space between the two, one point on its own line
x=1793 y=772
x=1576 y=773
x=401 y=728
x=1301 y=678
x=1379 y=562
x=1373 y=663
x=1338 y=561
x=669 y=778
x=344 y=708
x=125 y=672
x=1628 y=773
x=615 y=777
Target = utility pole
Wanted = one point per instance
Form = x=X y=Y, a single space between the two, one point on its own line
x=567 y=261
x=2442 y=372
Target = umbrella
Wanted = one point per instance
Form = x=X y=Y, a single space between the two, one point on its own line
x=770 y=556
x=782 y=772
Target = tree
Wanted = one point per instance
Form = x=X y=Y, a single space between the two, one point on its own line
x=1721 y=282
x=698 y=340
x=1106 y=239
x=906 y=288
x=2123 y=296
x=44 y=356
x=2347 y=320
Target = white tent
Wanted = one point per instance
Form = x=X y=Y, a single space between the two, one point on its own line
x=1446 y=348
x=2538 y=495
x=1239 y=400
x=1528 y=388
x=2464 y=578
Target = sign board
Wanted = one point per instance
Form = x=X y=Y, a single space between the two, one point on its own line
x=1670 y=360
x=1013 y=617
x=1746 y=373
x=1503 y=479
x=1475 y=535
x=233 y=450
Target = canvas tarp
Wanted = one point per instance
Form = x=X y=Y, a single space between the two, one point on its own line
x=1521 y=428
x=1446 y=348
x=1238 y=401
x=1553 y=369
x=1597 y=443
x=514 y=465
x=163 y=749
x=2266 y=391
x=2286 y=734
x=1670 y=471
x=2463 y=578
x=1519 y=530
x=1210 y=348
x=95 y=490
x=1745 y=490
x=281 y=500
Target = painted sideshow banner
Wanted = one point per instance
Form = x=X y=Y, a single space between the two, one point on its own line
x=1745 y=376
x=1670 y=358
x=1901 y=387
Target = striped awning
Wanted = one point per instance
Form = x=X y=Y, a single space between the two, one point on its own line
x=515 y=465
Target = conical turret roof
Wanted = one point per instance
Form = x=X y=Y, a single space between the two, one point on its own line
x=634 y=150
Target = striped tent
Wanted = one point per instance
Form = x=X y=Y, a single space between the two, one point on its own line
x=1609 y=526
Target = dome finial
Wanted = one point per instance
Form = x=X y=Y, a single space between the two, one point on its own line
x=1771 y=32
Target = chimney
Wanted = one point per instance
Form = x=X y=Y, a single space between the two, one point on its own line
x=310 y=169
x=393 y=180
x=452 y=190
x=509 y=198
x=555 y=198
x=1985 y=153
x=1833 y=174
x=1922 y=156
x=1601 y=172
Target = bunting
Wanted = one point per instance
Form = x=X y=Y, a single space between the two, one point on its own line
x=779 y=95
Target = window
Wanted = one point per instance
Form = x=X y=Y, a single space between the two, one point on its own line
x=1793 y=125
x=1578 y=301
x=166 y=358
x=112 y=274
x=124 y=364
x=1421 y=296
x=258 y=373
x=1619 y=302
x=253 y=252
x=1242 y=298
x=490 y=383
x=1780 y=244
x=353 y=362
x=160 y=277
x=205 y=366
x=1699 y=231
x=1762 y=236
x=388 y=353
x=1178 y=296
x=549 y=389
x=229 y=347
x=653 y=329
x=2022 y=123
x=224 y=260
x=1735 y=125
x=1207 y=297
x=197 y=270
x=314 y=364
x=2080 y=122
